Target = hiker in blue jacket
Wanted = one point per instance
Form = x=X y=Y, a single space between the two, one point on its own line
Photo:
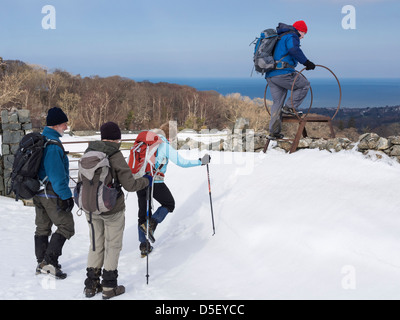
x=287 y=54
x=54 y=203
x=160 y=192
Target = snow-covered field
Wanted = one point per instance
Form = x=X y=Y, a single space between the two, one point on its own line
x=310 y=225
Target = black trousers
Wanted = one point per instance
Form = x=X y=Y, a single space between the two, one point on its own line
x=161 y=193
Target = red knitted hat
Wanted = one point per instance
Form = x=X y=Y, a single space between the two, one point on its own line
x=300 y=26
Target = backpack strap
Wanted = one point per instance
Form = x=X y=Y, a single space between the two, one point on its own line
x=283 y=64
x=114 y=177
x=56 y=142
x=44 y=183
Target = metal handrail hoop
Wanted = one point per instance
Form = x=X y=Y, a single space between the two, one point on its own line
x=308 y=111
x=340 y=90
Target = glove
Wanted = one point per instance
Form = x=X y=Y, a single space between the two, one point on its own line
x=309 y=65
x=66 y=205
x=149 y=177
x=205 y=160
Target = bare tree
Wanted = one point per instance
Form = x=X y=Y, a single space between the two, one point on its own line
x=69 y=102
x=11 y=88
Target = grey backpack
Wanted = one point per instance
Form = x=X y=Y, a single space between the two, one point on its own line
x=95 y=193
x=264 y=50
x=263 y=57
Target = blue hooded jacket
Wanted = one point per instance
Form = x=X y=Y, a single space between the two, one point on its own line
x=166 y=152
x=55 y=166
x=289 y=45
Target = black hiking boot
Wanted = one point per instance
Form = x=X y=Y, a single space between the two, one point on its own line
x=145 y=249
x=152 y=228
x=41 y=244
x=275 y=136
x=47 y=268
x=41 y=264
x=50 y=264
x=92 y=282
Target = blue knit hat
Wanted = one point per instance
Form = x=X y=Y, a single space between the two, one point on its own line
x=56 y=116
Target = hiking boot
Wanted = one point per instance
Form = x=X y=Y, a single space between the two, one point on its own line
x=54 y=249
x=91 y=291
x=47 y=268
x=110 y=286
x=275 y=136
x=152 y=227
x=290 y=111
x=109 y=293
x=38 y=268
x=143 y=249
x=92 y=282
x=41 y=244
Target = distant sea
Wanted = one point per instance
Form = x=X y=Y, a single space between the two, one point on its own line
x=356 y=93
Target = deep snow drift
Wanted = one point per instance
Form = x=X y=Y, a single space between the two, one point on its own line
x=310 y=225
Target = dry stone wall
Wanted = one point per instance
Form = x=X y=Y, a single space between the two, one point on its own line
x=367 y=143
x=241 y=139
x=14 y=125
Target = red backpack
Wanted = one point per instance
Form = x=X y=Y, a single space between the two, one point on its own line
x=142 y=156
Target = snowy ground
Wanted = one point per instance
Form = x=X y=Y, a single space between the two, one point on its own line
x=311 y=225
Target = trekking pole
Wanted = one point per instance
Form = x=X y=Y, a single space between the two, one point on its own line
x=149 y=197
x=209 y=192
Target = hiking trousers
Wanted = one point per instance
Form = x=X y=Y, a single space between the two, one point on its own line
x=107 y=235
x=48 y=213
x=279 y=86
x=164 y=196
